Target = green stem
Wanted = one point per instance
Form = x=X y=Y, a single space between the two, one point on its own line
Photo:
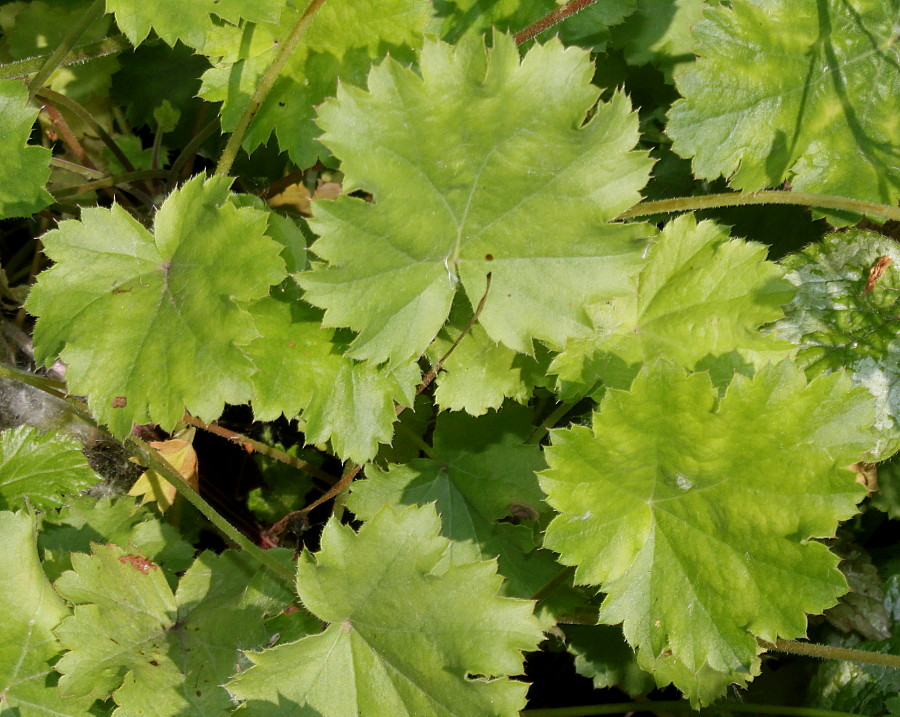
x=76 y=168
x=419 y=442
x=23 y=68
x=681 y=706
x=150 y=458
x=738 y=199
x=190 y=149
x=86 y=117
x=114 y=181
x=92 y=14
x=830 y=652
x=266 y=82
x=561 y=410
x=550 y=19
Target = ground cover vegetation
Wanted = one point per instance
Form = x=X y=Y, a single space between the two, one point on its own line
x=412 y=357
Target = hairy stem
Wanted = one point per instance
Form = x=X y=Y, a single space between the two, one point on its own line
x=23 y=68
x=830 y=652
x=116 y=180
x=680 y=706
x=551 y=19
x=738 y=199
x=92 y=14
x=266 y=82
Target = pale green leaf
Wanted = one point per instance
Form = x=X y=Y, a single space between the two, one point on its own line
x=407 y=634
x=837 y=324
x=191 y=22
x=699 y=300
x=29 y=610
x=463 y=163
x=24 y=169
x=155 y=652
x=695 y=516
x=304 y=369
x=341 y=43
x=41 y=468
x=151 y=324
x=800 y=90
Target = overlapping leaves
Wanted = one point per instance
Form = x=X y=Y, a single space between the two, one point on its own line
x=699 y=300
x=155 y=651
x=463 y=163
x=799 y=90
x=481 y=477
x=341 y=43
x=671 y=494
x=412 y=636
x=153 y=323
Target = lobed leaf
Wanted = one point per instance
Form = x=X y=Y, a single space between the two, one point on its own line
x=407 y=634
x=799 y=90
x=24 y=169
x=463 y=163
x=190 y=22
x=695 y=518
x=155 y=651
x=151 y=324
x=700 y=300
x=41 y=468
x=29 y=610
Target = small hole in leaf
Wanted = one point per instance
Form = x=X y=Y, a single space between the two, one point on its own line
x=489 y=257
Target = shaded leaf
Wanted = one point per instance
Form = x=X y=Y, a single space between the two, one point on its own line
x=24 y=169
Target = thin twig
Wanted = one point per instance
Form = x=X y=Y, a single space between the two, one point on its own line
x=266 y=82
x=116 y=180
x=252 y=445
x=550 y=19
x=831 y=652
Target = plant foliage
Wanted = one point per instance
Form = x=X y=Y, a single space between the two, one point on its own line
x=408 y=240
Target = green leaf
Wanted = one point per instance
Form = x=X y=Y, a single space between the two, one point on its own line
x=480 y=473
x=341 y=43
x=156 y=321
x=602 y=655
x=155 y=652
x=191 y=22
x=41 y=468
x=121 y=522
x=699 y=300
x=798 y=90
x=29 y=610
x=463 y=164
x=304 y=369
x=837 y=324
x=285 y=486
x=479 y=373
x=412 y=637
x=24 y=169
x=659 y=32
x=696 y=518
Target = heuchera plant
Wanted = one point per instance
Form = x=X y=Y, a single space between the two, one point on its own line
x=469 y=265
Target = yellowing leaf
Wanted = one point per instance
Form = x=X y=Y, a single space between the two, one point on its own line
x=180 y=454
